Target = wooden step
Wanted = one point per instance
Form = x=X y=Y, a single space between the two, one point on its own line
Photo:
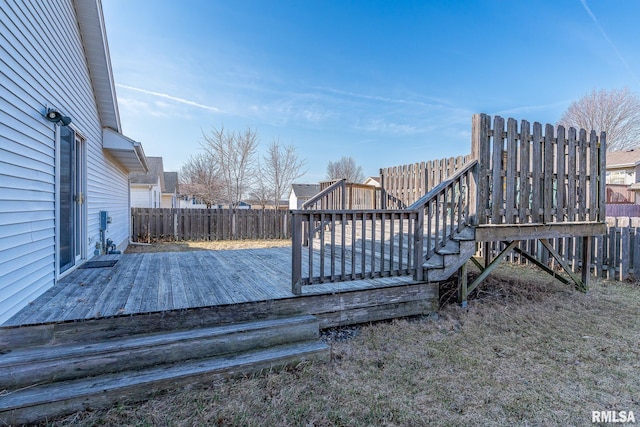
x=434 y=261
x=451 y=248
x=37 y=365
x=30 y=405
x=451 y=262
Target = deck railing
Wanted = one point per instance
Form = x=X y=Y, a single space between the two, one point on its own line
x=521 y=175
x=330 y=197
x=340 y=194
x=341 y=245
x=446 y=209
x=354 y=244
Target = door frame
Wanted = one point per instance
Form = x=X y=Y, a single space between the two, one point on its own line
x=79 y=250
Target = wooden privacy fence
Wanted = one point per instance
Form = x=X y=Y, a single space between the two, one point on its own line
x=156 y=224
x=526 y=175
x=403 y=185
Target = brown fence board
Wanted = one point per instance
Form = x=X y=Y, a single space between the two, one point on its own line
x=156 y=224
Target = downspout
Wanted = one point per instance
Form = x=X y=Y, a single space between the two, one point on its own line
x=129 y=241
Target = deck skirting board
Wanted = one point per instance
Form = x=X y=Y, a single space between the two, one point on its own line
x=332 y=308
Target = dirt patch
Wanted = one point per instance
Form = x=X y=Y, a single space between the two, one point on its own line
x=217 y=245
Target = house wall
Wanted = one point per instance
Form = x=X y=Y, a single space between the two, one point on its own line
x=168 y=200
x=294 y=203
x=145 y=196
x=190 y=204
x=36 y=73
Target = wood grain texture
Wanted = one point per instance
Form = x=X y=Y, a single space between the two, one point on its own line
x=214 y=286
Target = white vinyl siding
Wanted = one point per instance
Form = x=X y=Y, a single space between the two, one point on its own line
x=42 y=63
x=145 y=196
x=168 y=201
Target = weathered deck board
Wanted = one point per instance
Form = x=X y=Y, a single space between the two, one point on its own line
x=224 y=289
x=115 y=295
x=164 y=282
x=178 y=294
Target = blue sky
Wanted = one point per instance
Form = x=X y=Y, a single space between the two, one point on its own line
x=386 y=82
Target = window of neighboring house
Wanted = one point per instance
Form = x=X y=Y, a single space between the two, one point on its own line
x=154 y=199
x=619 y=176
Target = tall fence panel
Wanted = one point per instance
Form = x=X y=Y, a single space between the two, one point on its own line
x=156 y=224
x=403 y=185
x=536 y=174
x=339 y=194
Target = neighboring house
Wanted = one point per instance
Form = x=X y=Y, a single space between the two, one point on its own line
x=63 y=159
x=374 y=181
x=261 y=204
x=623 y=176
x=300 y=193
x=170 y=190
x=146 y=188
x=187 y=198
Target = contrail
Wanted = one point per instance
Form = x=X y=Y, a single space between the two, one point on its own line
x=606 y=37
x=173 y=98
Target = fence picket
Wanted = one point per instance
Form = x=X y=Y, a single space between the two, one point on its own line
x=156 y=224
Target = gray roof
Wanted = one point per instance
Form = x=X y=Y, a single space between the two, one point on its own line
x=170 y=182
x=151 y=177
x=620 y=159
x=305 y=190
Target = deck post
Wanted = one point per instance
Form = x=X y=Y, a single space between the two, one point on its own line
x=462 y=285
x=602 y=190
x=418 y=246
x=479 y=185
x=586 y=262
x=296 y=253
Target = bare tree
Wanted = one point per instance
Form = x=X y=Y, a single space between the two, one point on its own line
x=616 y=112
x=345 y=168
x=261 y=192
x=234 y=154
x=280 y=167
x=200 y=178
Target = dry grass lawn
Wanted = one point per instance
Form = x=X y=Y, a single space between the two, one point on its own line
x=528 y=351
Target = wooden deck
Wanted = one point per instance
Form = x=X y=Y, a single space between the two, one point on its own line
x=169 y=281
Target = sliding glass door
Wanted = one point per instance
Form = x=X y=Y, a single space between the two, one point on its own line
x=71 y=199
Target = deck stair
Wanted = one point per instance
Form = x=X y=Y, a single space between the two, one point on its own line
x=39 y=382
x=448 y=259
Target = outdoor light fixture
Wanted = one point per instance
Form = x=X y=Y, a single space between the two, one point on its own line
x=55 y=116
